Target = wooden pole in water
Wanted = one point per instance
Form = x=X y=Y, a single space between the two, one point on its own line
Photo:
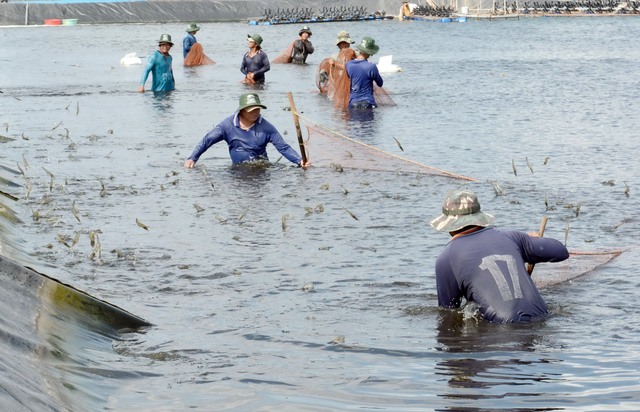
x=543 y=224
x=296 y=121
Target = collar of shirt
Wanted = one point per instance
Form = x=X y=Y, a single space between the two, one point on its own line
x=470 y=232
x=257 y=53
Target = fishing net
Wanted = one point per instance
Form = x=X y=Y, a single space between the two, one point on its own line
x=328 y=148
x=285 y=56
x=196 y=57
x=578 y=264
x=332 y=79
x=382 y=96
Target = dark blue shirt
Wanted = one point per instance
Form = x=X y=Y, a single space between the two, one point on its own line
x=245 y=145
x=258 y=65
x=488 y=267
x=362 y=74
x=188 y=41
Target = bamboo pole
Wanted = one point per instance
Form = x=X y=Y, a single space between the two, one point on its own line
x=543 y=224
x=296 y=121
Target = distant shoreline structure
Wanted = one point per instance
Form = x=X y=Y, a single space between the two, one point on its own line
x=34 y=13
x=25 y=13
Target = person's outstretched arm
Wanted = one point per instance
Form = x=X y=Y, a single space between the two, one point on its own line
x=214 y=136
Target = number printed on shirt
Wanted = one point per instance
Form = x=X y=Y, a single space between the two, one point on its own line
x=490 y=263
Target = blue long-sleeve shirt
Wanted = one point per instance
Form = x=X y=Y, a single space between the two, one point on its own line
x=161 y=71
x=487 y=267
x=245 y=145
x=362 y=74
x=188 y=41
x=258 y=65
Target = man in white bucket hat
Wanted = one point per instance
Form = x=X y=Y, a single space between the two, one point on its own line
x=486 y=266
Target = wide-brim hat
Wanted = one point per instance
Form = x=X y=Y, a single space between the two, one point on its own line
x=249 y=100
x=165 y=38
x=305 y=29
x=368 y=46
x=343 y=36
x=256 y=38
x=461 y=208
x=192 y=27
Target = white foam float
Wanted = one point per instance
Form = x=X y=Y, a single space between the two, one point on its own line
x=385 y=65
x=130 y=59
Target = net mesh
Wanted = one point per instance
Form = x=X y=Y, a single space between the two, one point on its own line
x=196 y=57
x=332 y=80
x=578 y=264
x=285 y=56
x=327 y=148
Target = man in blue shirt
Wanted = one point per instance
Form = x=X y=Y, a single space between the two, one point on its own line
x=247 y=134
x=190 y=39
x=159 y=65
x=486 y=266
x=362 y=73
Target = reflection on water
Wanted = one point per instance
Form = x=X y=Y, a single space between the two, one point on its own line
x=362 y=115
x=480 y=365
x=460 y=333
x=163 y=102
x=359 y=124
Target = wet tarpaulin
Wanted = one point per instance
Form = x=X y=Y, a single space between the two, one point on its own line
x=52 y=295
x=50 y=335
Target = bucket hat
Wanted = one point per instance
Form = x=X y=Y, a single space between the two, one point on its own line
x=461 y=208
x=165 y=38
x=343 y=36
x=368 y=46
x=192 y=27
x=256 y=38
x=251 y=101
x=305 y=29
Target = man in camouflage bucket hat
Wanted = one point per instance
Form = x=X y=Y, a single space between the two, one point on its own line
x=461 y=208
x=486 y=266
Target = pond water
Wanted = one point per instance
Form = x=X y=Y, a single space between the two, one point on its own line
x=265 y=291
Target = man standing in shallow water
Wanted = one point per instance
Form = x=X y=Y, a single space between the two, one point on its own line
x=486 y=266
x=255 y=62
x=302 y=47
x=362 y=74
x=190 y=39
x=159 y=65
x=247 y=134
